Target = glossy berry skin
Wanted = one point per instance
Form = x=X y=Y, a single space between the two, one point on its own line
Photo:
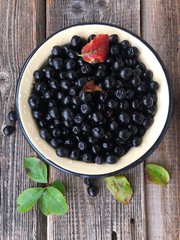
x=56 y=51
x=8 y=130
x=70 y=64
x=86 y=157
x=109 y=82
x=96 y=148
x=111 y=159
x=119 y=151
x=152 y=110
x=118 y=64
x=148 y=122
x=124 y=134
x=120 y=93
x=82 y=146
x=76 y=130
x=148 y=75
x=113 y=104
x=98 y=160
x=100 y=74
x=78 y=119
x=125 y=73
x=57 y=63
x=124 y=44
x=147 y=101
x=53 y=112
x=85 y=108
x=85 y=96
x=62 y=152
x=114 y=50
x=72 y=54
x=113 y=39
x=48 y=94
x=67 y=114
x=80 y=82
x=34 y=101
x=88 y=181
x=75 y=41
x=55 y=142
x=113 y=126
x=135 y=81
x=132 y=52
x=65 y=84
x=12 y=116
x=136 y=141
x=98 y=132
x=44 y=133
x=124 y=118
x=154 y=85
x=37 y=75
x=138 y=117
x=92 y=190
x=97 y=117
x=91 y=37
x=36 y=114
x=85 y=69
x=74 y=154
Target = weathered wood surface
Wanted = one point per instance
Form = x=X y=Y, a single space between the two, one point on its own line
x=20 y=33
x=161 y=28
x=154 y=211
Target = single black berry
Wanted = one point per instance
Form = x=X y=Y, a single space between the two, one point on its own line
x=12 y=116
x=8 y=130
x=92 y=190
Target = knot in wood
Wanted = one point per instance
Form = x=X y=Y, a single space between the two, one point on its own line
x=4 y=77
x=103 y=4
x=4 y=81
x=76 y=9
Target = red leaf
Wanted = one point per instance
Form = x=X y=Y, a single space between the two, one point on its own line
x=96 y=50
x=91 y=87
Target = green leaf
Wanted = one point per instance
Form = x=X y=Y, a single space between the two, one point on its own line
x=28 y=198
x=120 y=188
x=36 y=169
x=157 y=174
x=60 y=186
x=52 y=201
x=43 y=206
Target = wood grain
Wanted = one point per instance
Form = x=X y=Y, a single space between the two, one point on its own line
x=161 y=28
x=19 y=36
x=101 y=217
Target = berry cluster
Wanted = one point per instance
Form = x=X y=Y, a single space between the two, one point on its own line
x=99 y=126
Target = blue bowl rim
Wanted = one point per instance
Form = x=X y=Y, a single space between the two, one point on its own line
x=139 y=160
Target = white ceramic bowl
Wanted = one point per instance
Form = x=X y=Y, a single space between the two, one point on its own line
x=134 y=156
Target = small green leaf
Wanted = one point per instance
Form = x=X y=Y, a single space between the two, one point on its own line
x=52 y=201
x=36 y=169
x=28 y=198
x=43 y=206
x=157 y=174
x=60 y=186
x=120 y=188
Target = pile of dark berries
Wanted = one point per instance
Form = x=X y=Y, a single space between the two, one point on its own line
x=9 y=129
x=99 y=126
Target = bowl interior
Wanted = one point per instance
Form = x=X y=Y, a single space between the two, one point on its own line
x=38 y=58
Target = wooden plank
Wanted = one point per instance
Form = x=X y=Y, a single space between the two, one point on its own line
x=101 y=217
x=20 y=33
x=161 y=28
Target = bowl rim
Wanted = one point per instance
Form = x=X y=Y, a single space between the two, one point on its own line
x=139 y=160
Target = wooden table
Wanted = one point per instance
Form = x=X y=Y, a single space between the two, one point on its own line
x=154 y=212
